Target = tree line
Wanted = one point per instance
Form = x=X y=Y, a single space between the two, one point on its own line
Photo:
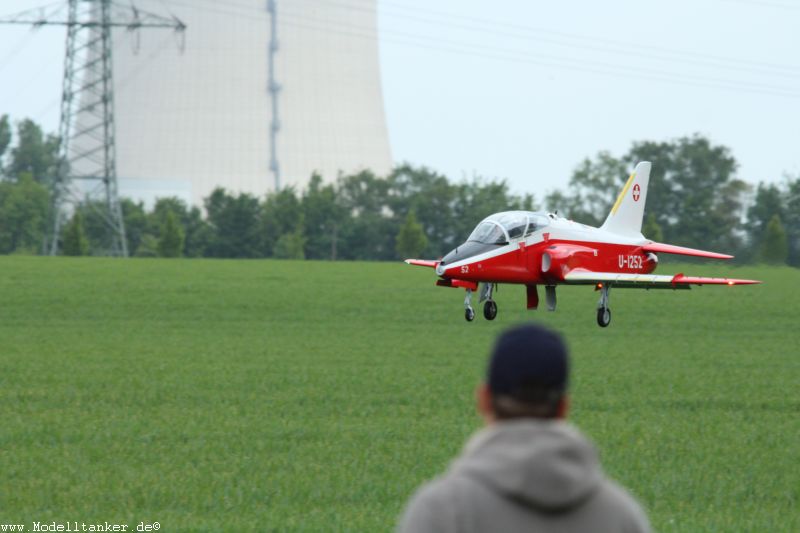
x=694 y=199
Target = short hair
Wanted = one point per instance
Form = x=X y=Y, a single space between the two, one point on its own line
x=532 y=400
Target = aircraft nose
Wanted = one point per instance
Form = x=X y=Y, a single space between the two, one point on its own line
x=464 y=251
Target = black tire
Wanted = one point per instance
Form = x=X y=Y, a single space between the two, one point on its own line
x=490 y=310
x=469 y=314
x=603 y=317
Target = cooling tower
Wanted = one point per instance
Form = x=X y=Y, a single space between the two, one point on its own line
x=195 y=115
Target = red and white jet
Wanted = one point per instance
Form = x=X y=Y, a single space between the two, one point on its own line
x=538 y=248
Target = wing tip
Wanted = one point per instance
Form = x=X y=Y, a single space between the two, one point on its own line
x=660 y=247
x=680 y=279
x=422 y=262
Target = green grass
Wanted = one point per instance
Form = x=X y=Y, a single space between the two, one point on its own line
x=305 y=396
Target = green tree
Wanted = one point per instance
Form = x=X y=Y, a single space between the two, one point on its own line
x=161 y=210
x=148 y=246
x=5 y=138
x=411 y=239
x=24 y=215
x=281 y=213
x=75 y=242
x=95 y=224
x=290 y=246
x=477 y=199
x=594 y=187
x=693 y=193
x=367 y=231
x=651 y=229
x=134 y=217
x=35 y=153
x=235 y=223
x=170 y=241
x=792 y=219
x=158 y=223
x=322 y=218
x=767 y=203
x=197 y=231
x=432 y=198
x=560 y=201
x=774 y=248
x=198 y=234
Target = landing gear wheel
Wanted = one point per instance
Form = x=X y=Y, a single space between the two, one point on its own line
x=603 y=317
x=489 y=310
x=469 y=314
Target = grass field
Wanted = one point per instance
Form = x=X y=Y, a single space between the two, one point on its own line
x=306 y=396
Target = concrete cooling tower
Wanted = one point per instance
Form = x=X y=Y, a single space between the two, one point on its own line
x=262 y=94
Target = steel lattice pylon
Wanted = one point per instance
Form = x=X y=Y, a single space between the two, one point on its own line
x=87 y=150
x=87 y=164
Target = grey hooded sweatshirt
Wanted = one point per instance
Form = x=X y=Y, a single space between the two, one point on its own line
x=524 y=475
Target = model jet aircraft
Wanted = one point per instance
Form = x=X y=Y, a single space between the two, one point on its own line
x=538 y=248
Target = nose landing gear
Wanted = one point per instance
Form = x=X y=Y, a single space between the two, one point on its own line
x=489 y=308
x=469 y=312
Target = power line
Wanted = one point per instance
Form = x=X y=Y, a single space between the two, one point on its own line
x=594 y=44
x=514 y=55
x=559 y=38
x=584 y=66
x=16 y=49
x=762 y=3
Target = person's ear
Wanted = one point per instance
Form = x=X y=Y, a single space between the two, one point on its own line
x=563 y=407
x=483 y=400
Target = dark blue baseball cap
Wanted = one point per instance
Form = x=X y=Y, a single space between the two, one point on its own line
x=528 y=356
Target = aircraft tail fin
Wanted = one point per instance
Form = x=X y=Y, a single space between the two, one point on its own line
x=626 y=216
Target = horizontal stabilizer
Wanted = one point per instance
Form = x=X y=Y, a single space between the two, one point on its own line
x=657 y=247
x=422 y=263
x=581 y=276
x=694 y=280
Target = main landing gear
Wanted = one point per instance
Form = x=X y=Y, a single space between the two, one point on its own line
x=490 y=310
x=603 y=311
x=490 y=307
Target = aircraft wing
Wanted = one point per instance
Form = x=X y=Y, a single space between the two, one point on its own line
x=422 y=262
x=680 y=250
x=581 y=276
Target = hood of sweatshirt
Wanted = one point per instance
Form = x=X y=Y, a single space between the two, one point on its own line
x=545 y=464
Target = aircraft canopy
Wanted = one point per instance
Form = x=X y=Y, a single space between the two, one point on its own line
x=501 y=228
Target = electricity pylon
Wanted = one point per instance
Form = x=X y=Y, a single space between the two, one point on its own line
x=86 y=131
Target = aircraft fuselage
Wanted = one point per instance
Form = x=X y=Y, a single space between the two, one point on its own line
x=545 y=256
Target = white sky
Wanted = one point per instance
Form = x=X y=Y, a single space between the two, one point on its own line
x=523 y=90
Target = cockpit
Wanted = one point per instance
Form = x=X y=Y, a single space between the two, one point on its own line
x=497 y=230
x=501 y=228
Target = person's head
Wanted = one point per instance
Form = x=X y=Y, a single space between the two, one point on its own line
x=527 y=376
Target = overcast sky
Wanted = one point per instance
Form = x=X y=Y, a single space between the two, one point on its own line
x=523 y=90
